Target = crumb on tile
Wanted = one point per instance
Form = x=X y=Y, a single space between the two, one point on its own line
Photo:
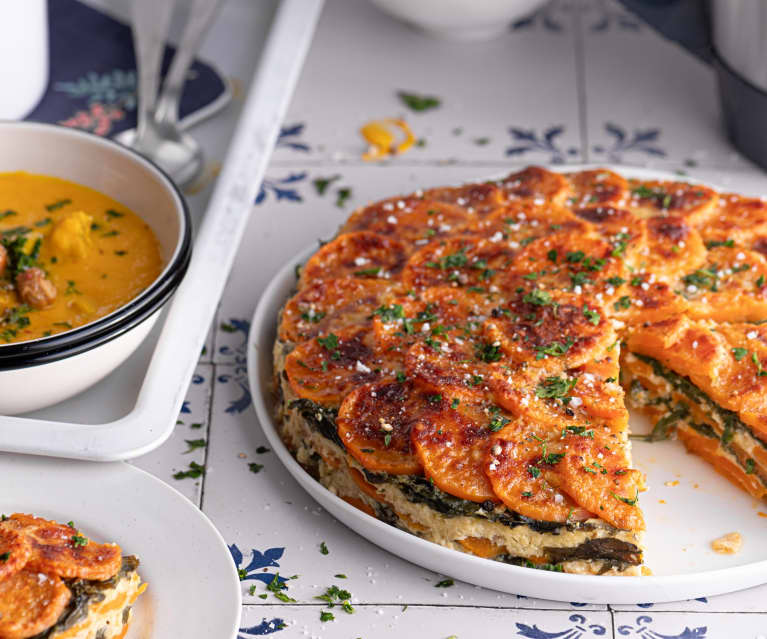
x=671 y=483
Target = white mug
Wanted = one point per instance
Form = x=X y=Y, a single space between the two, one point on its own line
x=23 y=56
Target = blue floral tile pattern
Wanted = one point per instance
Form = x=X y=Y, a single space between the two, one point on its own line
x=640 y=141
x=285 y=188
x=528 y=140
x=642 y=630
x=266 y=627
x=579 y=628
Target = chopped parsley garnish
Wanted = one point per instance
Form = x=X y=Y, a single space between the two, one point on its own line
x=623 y=302
x=324 y=548
x=714 y=243
x=555 y=387
x=616 y=281
x=255 y=468
x=5 y=556
x=79 y=541
x=703 y=278
x=750 y=466
x=55 y=206
x=260 y=450
x=321 y=184
x=454 y=260
x=368 y=272
x=418 y=102
x=739 y=353
x=390 y=313
x=497 y=422
x=534 y=471
x=455 y=402
x=227 y=328
x=626 y=500
x=552 y=458
x=330 y=343
x=195 y=470
x=114 y=214
x=488 y=352
x=759 y=370
x=555 y=349
x=591 y=315
x=312 y=316
x=72 y=288
x=342 y=194
x=538 y=297
x=445 y=583
x=326 y=616
x=435 y=399
x=194 y=444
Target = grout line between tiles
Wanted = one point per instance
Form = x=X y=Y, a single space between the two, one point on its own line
x=580 y=84
x=367 y=604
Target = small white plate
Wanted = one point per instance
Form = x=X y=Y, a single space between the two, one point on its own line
x=683 y=517
x=194 y=590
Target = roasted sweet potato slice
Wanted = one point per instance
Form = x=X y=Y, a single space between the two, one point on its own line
x=730 y=286
x=360 y=254
x=621 y=229
x=596 y=187
x=479 y=199
x=461 y=261
x=548 y=395
x=536 y=184
x=374 y=424
x=62 y=550
x=411 y=221
x=324 y=369
x=329 y=305
x=437 y=316
x=595 y=473
x=582 y=264
x=673 y=247
x=737 y=221
x=521 y=465
x=541 y=326
x=15 y=549
x=644 y=298
x=521 y=222
x=692 y=202
x=452 y=446
x=30 y=603
x=456 y=370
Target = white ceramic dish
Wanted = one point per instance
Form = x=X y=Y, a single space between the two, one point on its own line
x=41 y=372
x=194 y=591
x=460 y=19
x=679 y=530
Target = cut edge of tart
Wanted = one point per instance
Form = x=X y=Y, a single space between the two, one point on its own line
x=61 y=584
x=462 y=378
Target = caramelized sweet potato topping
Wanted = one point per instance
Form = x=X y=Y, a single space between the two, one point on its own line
x=471 y=334
x=30 y=602
x=58 y=549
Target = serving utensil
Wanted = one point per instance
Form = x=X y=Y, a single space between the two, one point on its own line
x=158 y=135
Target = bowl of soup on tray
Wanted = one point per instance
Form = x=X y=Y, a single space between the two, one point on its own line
x=94 y=239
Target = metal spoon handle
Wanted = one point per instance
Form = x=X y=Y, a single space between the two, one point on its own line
x=150 y=23
x=200 y=18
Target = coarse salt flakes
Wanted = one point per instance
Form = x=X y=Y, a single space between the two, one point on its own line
x=391 y=219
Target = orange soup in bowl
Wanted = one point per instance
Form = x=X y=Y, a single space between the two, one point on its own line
x=68 y=255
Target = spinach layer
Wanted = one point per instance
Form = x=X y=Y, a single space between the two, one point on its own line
x=729 y=419
x=419 y=490
x=85 y=593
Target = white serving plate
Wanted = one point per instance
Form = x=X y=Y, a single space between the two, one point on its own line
x=194 y=591
x=700 y=508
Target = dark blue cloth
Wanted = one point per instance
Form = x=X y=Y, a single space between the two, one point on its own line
x=93 y=73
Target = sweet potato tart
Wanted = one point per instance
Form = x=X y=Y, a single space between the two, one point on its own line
x=55 y=583
x=458 y=362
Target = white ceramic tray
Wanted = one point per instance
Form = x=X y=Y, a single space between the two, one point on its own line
x=682 y=519
x=150 y=421
x=193 y=588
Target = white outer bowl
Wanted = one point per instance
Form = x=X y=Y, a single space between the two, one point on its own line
x=460 y=19
x=89 y=353
x=694 y=519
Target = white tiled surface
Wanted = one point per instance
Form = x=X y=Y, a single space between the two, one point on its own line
x=604 y=87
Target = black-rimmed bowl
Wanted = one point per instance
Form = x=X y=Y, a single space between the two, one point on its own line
x=41 y=372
